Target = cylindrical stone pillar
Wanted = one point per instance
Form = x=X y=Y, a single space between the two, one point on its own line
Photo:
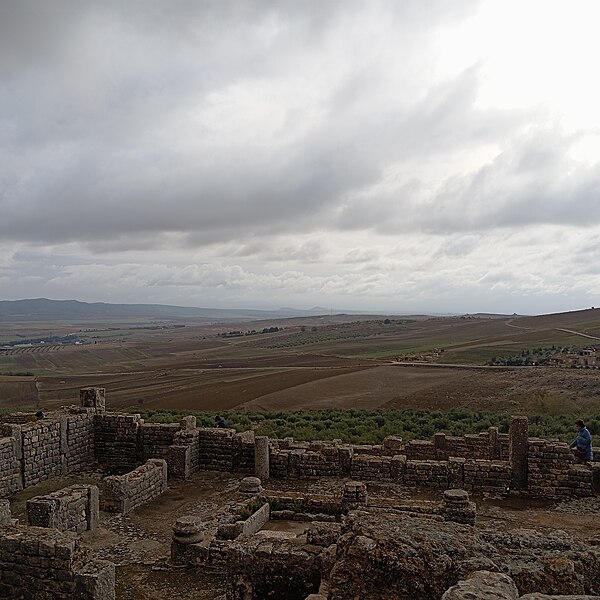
x=261 y=457
x=519 y=445
x=456 y=507
x=250 y=485
x=188 y=530
x=494 y=443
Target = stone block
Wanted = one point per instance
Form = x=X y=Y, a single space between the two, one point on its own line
x=95 y=581
x=484 y=585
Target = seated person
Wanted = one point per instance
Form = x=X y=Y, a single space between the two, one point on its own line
x=221 y=422
x=582 y=444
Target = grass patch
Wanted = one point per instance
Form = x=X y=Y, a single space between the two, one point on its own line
x=372 y=426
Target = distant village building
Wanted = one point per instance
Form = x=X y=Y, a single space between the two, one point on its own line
x=583 y=358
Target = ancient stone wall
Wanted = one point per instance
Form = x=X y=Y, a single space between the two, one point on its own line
x=367 y=467
x=124 y=492
x=117 y=440
x=65 y=441
x=38 y=564
x=74 y=508
x=552 y=471
x=43 y=450
x=216 y=449
x=491 y=476
x=155 y=439
x=11 y=480
x=80 y=439
x=243 y=452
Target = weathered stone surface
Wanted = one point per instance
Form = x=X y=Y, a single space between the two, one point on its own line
x=5 y=514
x=188 y=530
x=124 y=492
x=95 y=581
x=40 y=564
x=74 y=508
x=484 y=585
x=259 y=568
x=385 y=555
x=551 y=597
x=323 y=534
x=250 y=485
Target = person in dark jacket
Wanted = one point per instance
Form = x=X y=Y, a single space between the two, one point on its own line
x=221 y=422
x=582 y=444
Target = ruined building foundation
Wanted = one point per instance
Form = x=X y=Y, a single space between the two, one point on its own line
x=53 y=563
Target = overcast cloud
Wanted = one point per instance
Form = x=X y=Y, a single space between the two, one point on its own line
x=391 y=156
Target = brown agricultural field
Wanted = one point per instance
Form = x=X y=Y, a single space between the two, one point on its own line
x=335 y=361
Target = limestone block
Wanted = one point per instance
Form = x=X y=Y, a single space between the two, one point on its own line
x=179 y=460
x=5 y=514
x=187 y=423
x=95 y=581
x=250 y=485
x=484 y=585
x=519 y=438
x=261 y=457
x=93 y=397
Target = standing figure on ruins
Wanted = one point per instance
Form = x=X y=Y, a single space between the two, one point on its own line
x=582 y=444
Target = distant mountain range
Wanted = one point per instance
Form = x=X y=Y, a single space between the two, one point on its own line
x=44 y=309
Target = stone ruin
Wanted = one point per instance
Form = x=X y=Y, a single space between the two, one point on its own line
x=417 y=549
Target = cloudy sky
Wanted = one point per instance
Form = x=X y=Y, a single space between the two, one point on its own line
x=423 y=155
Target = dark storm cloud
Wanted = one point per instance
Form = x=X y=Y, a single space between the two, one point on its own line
x=99 y=96
x=151 y=125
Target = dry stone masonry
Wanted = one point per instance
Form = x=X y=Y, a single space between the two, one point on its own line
x=125 y=492
x=40 y=564
x=350 y=548
x=69 y=440
x=74 y=508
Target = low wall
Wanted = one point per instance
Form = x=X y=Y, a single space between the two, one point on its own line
x=40 y=563
x=74 y=508
x=124 y=492
x=66 y=441
x=552 y=471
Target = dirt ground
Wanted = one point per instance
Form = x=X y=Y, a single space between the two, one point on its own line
x=341 y=361
x=530 y=390
x=139 y=543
